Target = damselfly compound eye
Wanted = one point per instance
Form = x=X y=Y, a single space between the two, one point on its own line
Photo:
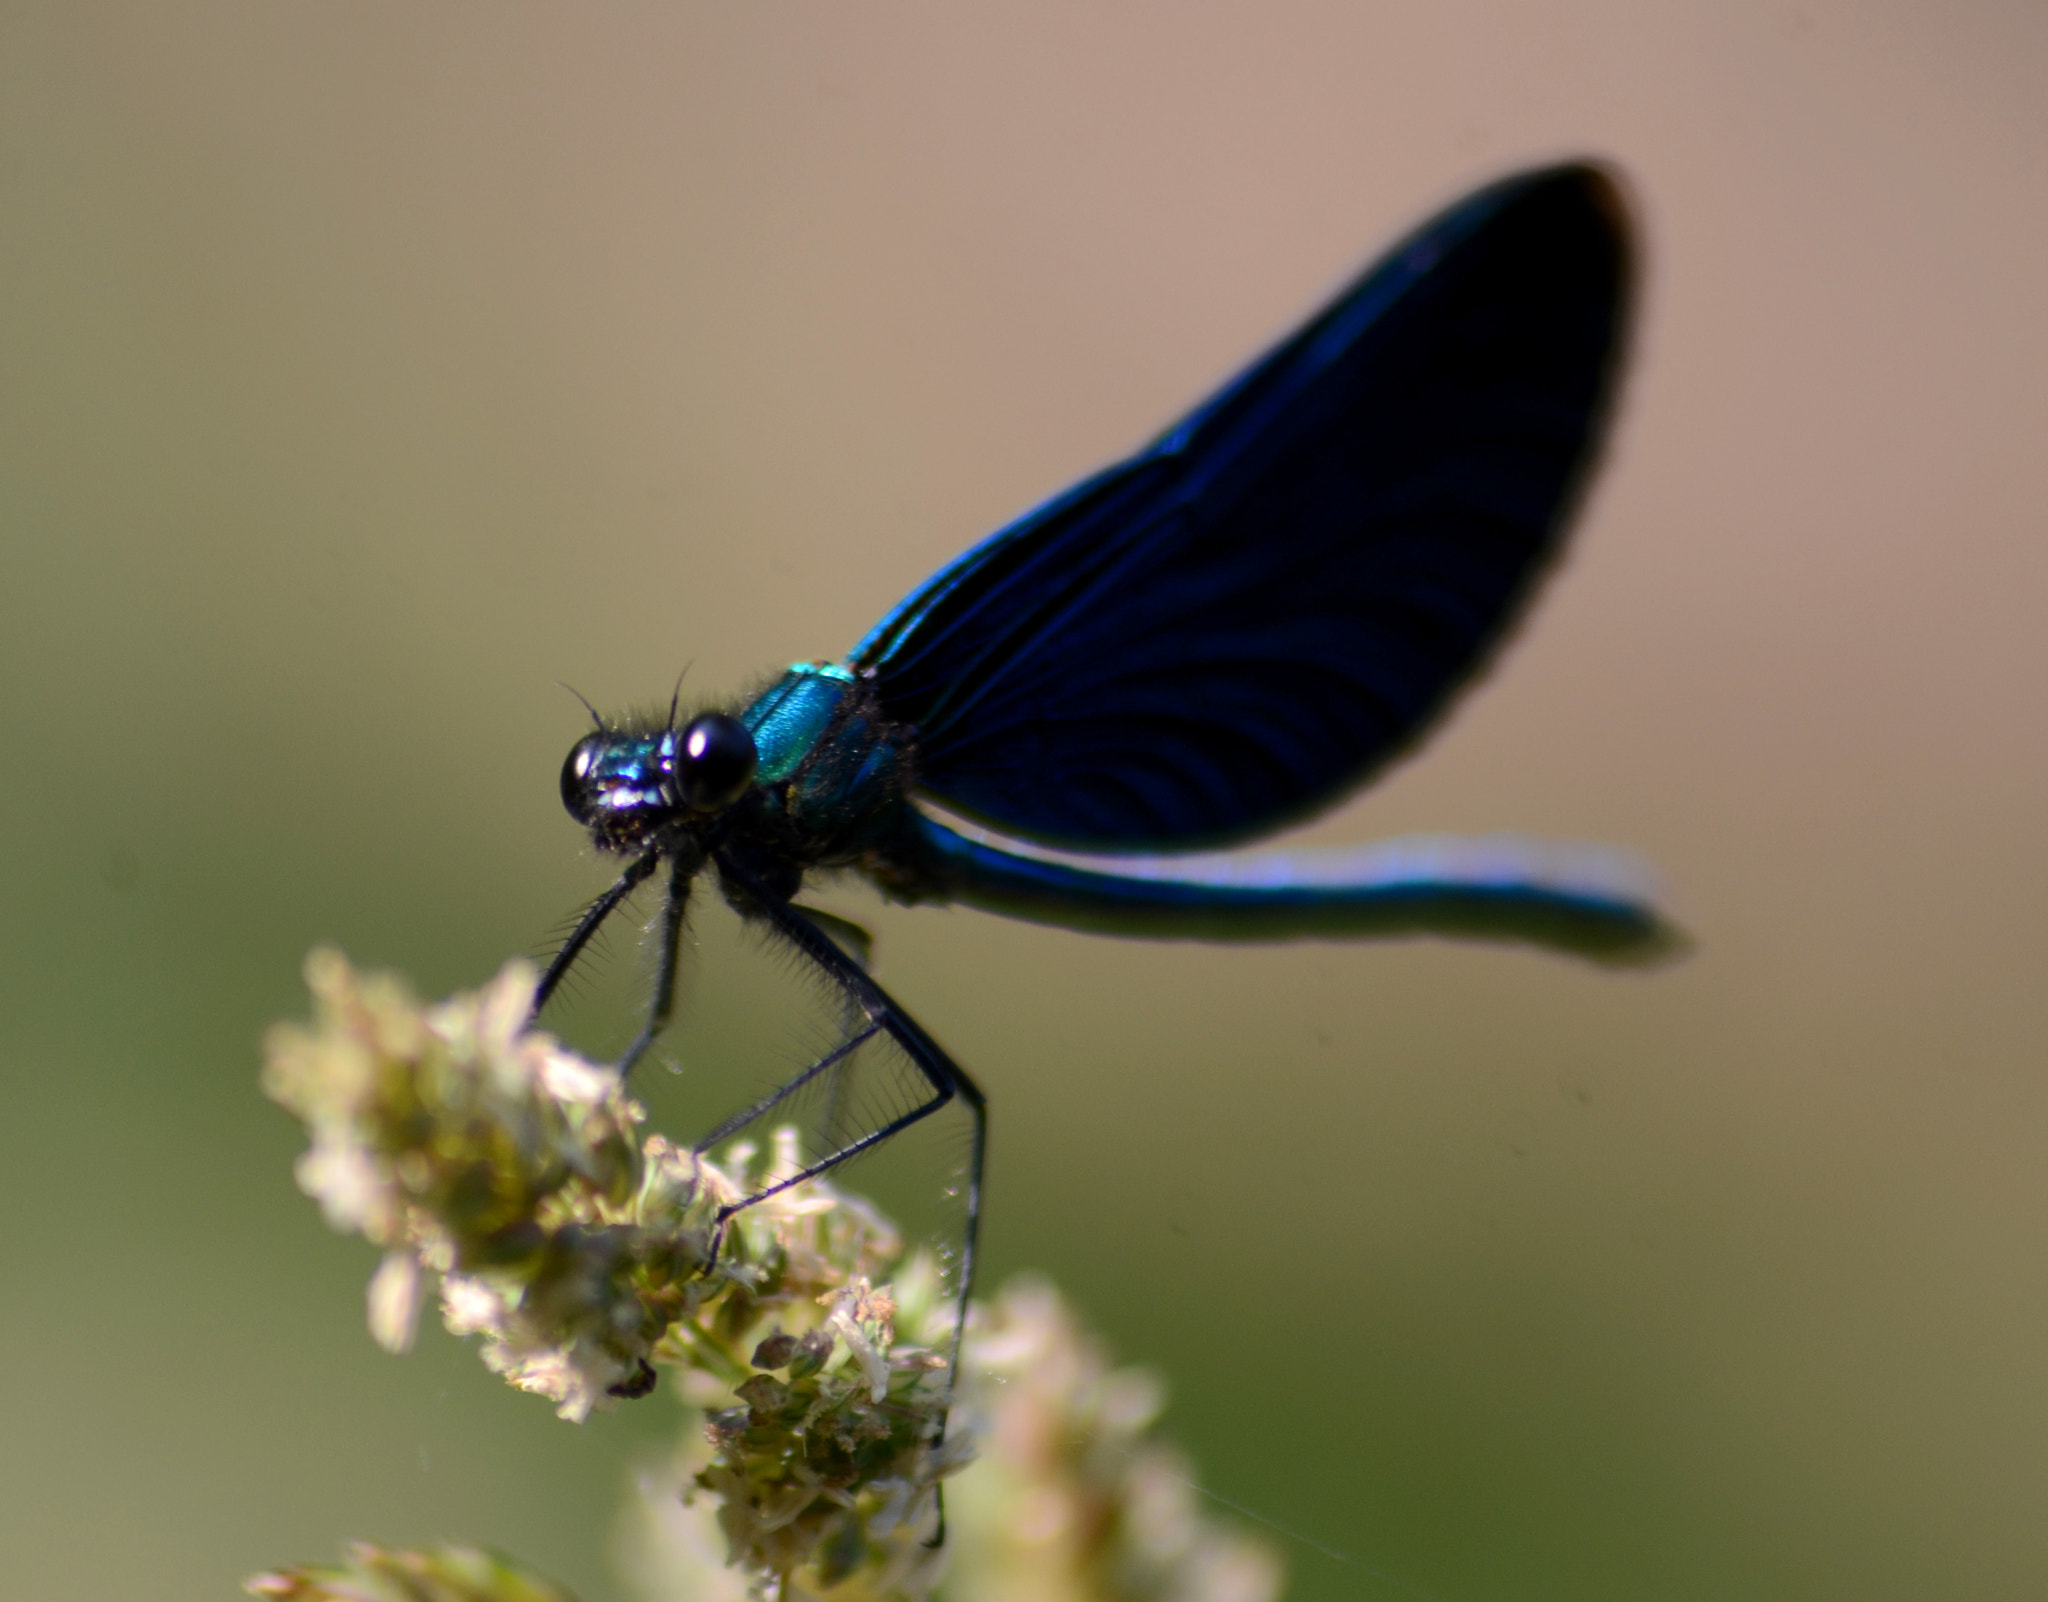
x=716 y=764
x=578 y=787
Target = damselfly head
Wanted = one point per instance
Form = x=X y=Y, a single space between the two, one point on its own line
x=627 y=787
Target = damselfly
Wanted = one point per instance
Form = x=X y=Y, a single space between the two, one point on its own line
x=1234 y=628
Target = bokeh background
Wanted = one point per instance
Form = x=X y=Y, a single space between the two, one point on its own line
x=367 y=368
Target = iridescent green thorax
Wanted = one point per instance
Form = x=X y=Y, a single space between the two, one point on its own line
x=788 y=718
x=832 y=770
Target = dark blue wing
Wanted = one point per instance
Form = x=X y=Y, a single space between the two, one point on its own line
x=1276 y=598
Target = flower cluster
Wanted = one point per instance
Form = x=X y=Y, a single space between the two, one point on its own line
x=811 y=1468
x=586 y=1256
x=481 y=1154
x=475 y=1152
x=1072 y=1497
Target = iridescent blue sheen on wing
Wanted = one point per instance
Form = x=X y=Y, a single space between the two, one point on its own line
x=1280 y=595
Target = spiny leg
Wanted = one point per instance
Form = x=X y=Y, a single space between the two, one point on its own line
x=602 y=908
x=668 y=949
x=858 y=944
x=946 y=1079
x=768 y=1103
x=850 y=937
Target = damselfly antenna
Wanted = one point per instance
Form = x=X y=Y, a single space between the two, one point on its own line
x=594 y=716
x=675 y=698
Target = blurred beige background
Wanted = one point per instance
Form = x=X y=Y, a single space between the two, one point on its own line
x=370 y=367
